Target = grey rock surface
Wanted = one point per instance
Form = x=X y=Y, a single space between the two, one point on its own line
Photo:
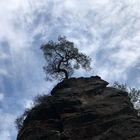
x=83 y=109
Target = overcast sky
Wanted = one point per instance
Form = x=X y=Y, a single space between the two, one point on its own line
x=106 y=30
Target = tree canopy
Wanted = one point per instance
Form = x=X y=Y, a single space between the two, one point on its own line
x=62 y=57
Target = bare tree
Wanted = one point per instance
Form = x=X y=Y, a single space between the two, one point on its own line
x=62 y=58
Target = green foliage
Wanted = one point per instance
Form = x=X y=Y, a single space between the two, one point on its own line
x=20 y=120
x=122 y=87
x=62 y=58
x=133 y=93
x=39 y=101
x=42 y=99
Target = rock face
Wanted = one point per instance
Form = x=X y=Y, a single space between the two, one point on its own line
x=82 y=109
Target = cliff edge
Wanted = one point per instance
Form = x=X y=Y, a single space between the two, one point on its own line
x=82 y=109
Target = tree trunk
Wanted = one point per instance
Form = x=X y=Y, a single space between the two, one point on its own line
x=62 y=70
x=65 y=72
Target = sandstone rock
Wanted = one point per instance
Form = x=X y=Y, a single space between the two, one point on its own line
x=83 y=109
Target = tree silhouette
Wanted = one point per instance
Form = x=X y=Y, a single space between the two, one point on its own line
x=62 y=58
x=133 y=93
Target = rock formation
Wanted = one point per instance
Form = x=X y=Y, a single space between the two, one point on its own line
x=82 y=109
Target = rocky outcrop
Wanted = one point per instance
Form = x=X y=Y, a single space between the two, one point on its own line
x=82 y=109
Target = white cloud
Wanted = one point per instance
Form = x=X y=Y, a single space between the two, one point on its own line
x=3 y=56
x=5 y=135
x=107 y=30
x=3 y=72
x=1 y=96
x=27 y=103
x=7 y=129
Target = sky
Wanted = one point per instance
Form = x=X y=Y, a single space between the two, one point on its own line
x=106 y=30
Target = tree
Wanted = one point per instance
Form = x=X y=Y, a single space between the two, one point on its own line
x=133 y=93
x=20 y=120
x=122 y=87
x=62 y=58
